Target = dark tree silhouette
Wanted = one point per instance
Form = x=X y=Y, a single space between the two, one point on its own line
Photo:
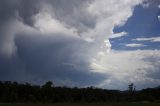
x=131 y=87
x=48 y=93
x=48 y=84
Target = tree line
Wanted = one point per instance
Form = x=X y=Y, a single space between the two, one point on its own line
x=48 y=93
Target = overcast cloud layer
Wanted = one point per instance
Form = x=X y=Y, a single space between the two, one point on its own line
x=67 y=41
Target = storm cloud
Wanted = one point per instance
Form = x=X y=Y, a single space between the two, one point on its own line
x=59 y=40
x=29 y=54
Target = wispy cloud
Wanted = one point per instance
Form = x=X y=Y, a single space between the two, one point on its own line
x=151 y=39
x=159 y=18
x=135 y=45
x=118 y=35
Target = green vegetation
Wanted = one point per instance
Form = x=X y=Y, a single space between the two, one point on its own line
x=12 y=92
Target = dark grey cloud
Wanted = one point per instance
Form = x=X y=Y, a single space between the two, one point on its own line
x=38 y=58
x=23 y=9
x=57 y=60
x=7 y=9
x=10 y=13
x=73 y=13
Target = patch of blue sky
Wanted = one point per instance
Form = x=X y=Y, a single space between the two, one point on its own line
x=144 y=22
x=120 y=44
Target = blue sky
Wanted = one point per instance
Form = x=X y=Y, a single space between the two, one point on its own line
x=103 y=43
x=143 y=24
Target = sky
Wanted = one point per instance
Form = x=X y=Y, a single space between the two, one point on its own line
x=103 y=43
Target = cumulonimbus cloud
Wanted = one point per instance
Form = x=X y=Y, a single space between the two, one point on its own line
x=88 y=19
x=59 y=40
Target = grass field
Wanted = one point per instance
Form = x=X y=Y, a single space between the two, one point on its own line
x=84 y=104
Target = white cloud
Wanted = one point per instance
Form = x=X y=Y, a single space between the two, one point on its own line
x=151 y=39
x=127 y=66
x=118 y=35
x=159 y=6
x=134 y=45
x=49 y=25
x=110 y=14
x=159 y=18
x=107 y=46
